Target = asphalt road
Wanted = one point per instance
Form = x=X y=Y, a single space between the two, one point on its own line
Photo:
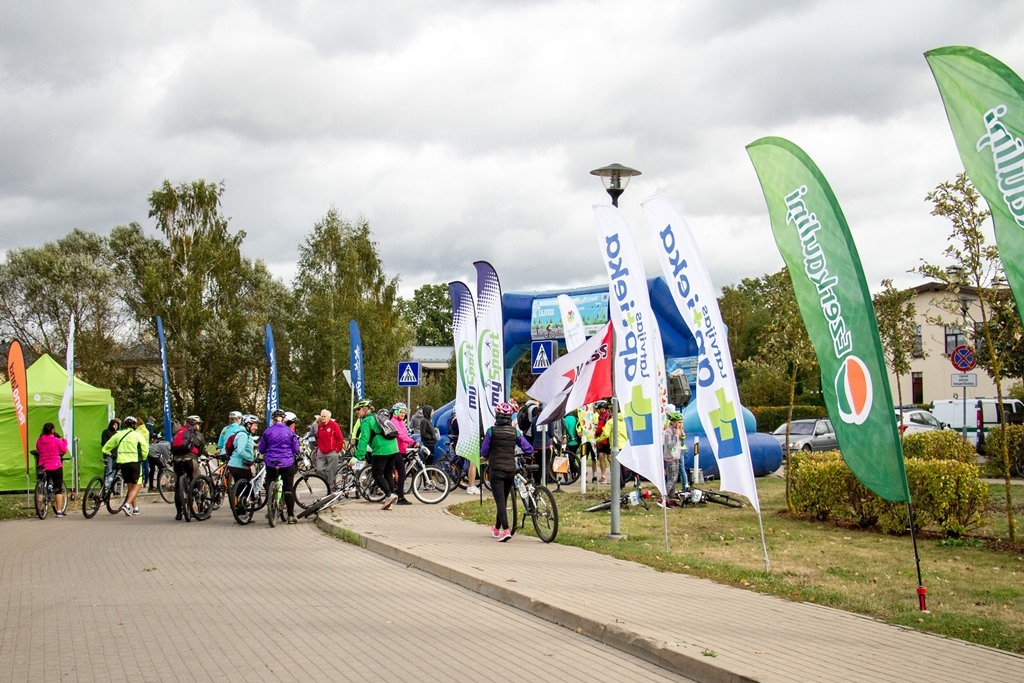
x=150 y=599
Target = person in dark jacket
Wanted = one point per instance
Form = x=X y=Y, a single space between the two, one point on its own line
x=108 y=460
x=499 y=447
x=428 y=433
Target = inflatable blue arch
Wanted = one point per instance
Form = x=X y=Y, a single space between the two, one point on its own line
x=766 y=453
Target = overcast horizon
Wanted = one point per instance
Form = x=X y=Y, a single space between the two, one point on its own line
x=464 y=130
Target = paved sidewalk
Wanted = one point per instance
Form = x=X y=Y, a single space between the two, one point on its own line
x=694 y=627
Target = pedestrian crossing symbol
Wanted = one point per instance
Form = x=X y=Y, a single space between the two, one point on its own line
x=408 y=374
x=542 y=353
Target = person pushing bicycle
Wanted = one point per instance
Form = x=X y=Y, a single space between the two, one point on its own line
x=186 y=446
x=279 y=446
x=499 y=447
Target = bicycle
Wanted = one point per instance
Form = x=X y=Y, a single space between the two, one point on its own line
x=695 y=497
x=637 y=497
x=196 y=495
x=165 y=480
x=537 y=501
x=457 y=469
x=248 y=495
x=45 y=496
x=108 y=489
x=220 y=478
x=274 y=496
x=428 y=483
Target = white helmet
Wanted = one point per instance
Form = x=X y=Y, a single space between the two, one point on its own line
x=234 y=415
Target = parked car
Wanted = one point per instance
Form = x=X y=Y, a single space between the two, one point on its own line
x=807 y=435
x=915 y=420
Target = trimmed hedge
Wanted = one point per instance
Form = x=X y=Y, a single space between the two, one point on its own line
x=770 y=418
x=947 y=493
x=994 y=449
x=938 y=445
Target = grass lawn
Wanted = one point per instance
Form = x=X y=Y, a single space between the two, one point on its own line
x=17 y=506
x=975 y=587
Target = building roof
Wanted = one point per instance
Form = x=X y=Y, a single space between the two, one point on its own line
x=433 y=357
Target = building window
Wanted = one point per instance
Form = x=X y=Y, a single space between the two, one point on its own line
x=917 y=387
x=954 y=338
x=918 y=351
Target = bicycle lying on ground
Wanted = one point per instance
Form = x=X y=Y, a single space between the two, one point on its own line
x=634 y=498
x=695 y=496
x=46 y=496
x=537 y=502
x=109 y=490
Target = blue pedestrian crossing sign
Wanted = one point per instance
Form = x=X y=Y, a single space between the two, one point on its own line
x=542 y=355
x=408 y=373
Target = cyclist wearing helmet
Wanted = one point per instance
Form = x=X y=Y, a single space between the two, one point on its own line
x=362 y=408
x=672 y=450
x=499 y=447
x=132 y=445
x=279 y=445
x=185 y=447
x=602 y=443
x=289 y=420
x=383 y=451
x=233 y=426
x=242 y=453
x=399 y=412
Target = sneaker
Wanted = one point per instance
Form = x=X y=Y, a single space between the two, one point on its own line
x=504 y=535
x=403 y=501
x=388 y=502
x=127 y=509
x=60 y=514
x=177 y=517
x=292 y=520
x=662 y=503
x=495 y=532
x=135 y=511
x=473 y=490
x=593 y=480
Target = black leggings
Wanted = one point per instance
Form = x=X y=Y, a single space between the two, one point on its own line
x=181 y=467
x=400 y=468
x=501 y=487
x=287 y=475
x=382 y=467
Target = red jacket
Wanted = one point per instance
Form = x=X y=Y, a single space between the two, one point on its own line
x=329 y=438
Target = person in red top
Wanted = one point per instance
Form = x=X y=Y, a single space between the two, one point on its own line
x=51 y=447
x=330 y=442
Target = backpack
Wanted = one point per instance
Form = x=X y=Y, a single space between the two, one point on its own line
x=178 y=445
x=387 y=428
x=229 y=445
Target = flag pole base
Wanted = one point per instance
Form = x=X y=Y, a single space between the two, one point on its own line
x=616 y=537
x=921 y=593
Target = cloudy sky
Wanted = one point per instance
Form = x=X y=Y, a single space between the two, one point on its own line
x=466 y=129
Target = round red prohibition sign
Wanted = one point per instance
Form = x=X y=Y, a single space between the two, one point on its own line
x=962 y=358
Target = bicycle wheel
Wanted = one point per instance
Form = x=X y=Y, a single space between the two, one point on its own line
x=243 y=509
x=201 y=497
x=42 y=507
x=368 y=486
x=570 y=476
x=722 y=499
x=117 y=495
x=430 y=486
x=345 y=480
x=318 y=505
x=181 y=493
x=220 y=488
x=274 y=502
x=93 y=497
x=64 y=493
x=545 y=515
x=165 y=484
x=309 y=488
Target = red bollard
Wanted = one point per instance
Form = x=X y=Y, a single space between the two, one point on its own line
x=921 y=592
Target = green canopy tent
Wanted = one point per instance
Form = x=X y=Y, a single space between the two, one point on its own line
x=93 y=409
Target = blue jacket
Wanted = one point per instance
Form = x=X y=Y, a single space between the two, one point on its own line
x=242 y=455
x=279 y=445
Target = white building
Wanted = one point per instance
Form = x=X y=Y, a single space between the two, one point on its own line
x=932 y=373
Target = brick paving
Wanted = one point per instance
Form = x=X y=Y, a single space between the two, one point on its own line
x=151 y=599
x=675 y=620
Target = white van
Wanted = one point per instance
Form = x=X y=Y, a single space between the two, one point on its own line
x=982 y=416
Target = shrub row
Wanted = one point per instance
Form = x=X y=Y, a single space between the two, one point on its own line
x=994 y=449
x=947 y=492
x=769 y=418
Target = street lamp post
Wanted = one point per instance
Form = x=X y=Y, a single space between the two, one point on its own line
x=615 y=177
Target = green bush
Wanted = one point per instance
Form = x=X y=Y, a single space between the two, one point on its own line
x=938 y=445
x=994 y=449
x=947 y=493
x=769 y=418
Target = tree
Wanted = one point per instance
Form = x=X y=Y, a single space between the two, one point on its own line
x=340 y=278
x=976 y=268
x=213 y=302
x=41 y=288
x=784 y=340
x=430 y=314
x=896 y=313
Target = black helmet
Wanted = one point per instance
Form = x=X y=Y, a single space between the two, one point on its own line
x=278 y=414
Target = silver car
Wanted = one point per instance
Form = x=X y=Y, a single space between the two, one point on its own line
x=915 y=420
x=807 y=435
